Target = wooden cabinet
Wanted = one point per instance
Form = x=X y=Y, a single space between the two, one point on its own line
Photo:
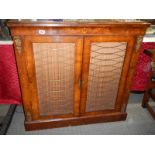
x=75 y=73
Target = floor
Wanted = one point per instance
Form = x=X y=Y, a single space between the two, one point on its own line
x=3 y=111
x=6 y=113
x=139 y=122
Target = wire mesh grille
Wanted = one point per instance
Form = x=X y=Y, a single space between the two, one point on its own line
x=54 y=63
x=106 y=61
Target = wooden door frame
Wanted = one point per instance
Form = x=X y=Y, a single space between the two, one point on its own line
x=33 y=104
x=123 y=78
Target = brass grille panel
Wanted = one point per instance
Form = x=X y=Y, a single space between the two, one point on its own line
x=54 y=63
x=106 y=61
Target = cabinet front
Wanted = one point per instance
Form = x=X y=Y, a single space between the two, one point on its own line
x=54 y=69
x=105 y=67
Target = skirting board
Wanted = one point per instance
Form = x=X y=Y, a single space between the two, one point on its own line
x=55 y=123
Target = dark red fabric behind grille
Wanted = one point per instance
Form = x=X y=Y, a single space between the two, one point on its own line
x=9 y=85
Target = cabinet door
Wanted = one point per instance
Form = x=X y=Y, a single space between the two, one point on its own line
x=105 y=67
x=53 y=65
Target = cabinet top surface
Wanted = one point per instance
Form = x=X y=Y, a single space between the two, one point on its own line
x=77 y=23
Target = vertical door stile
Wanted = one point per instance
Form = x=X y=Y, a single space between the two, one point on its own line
x=30 y=72
x=77 y=80
x=85 y=70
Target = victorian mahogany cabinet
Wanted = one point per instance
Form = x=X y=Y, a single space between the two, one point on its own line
x=75 y=72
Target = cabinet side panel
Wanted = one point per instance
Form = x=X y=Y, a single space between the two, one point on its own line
x=106 y=62
x=54 y=63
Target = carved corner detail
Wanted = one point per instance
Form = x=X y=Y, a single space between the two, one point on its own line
x=138 y=43
x=18 y=43
x=28 y=116
x=123 y=108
